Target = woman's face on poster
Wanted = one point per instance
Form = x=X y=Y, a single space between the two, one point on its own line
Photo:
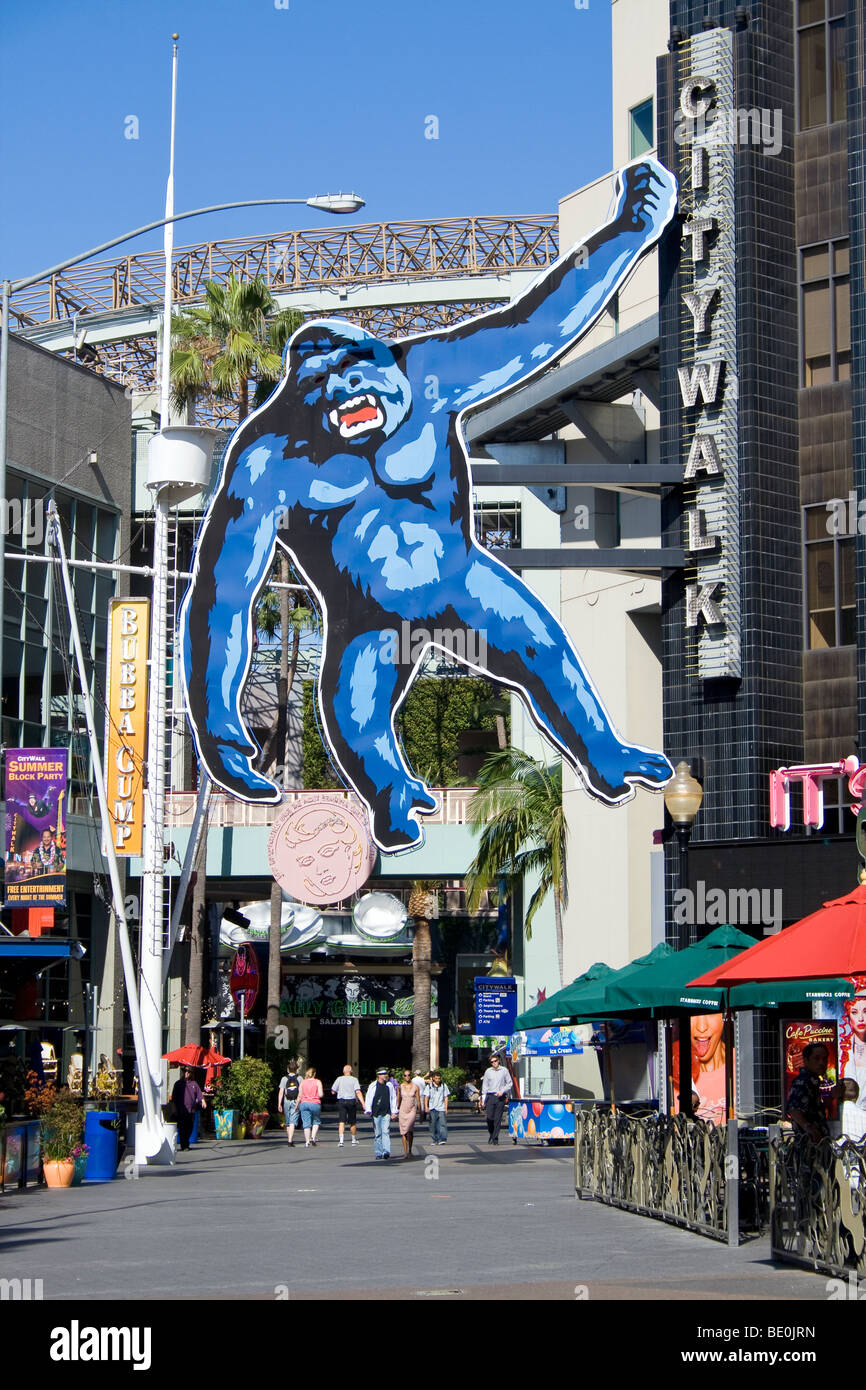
x=856 y=1010
x=707 y=1032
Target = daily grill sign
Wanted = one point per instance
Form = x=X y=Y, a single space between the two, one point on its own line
x=708 y=373
x=126 y=730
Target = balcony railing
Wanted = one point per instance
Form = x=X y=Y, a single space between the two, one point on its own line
x=227 y=811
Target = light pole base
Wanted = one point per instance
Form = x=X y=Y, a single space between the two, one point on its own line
x=155 y=1145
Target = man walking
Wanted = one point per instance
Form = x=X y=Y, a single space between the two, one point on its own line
x=186 y=1097
x=347 y=1089
x=495 y=1088
x=436 y=1107
x=380 y=1104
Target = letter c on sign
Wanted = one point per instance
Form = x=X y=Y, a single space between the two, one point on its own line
x=694 y=109
x=124 y=760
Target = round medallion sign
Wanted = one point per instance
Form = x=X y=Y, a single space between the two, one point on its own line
x=320 y=850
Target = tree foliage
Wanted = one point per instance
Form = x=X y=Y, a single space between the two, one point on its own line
x=518 y=809
x=434 y=712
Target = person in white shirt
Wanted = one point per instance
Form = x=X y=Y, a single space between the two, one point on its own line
x=347 y=1089
x=495 y=1089
x=379 y=1102
x=436 y=1106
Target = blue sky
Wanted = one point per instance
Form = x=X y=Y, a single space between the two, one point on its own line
x=318 y=96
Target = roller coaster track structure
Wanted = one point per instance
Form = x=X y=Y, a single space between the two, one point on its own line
x=393 y=277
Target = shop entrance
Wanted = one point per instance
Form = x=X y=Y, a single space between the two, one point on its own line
x=384 y=1045
x=329 y=1048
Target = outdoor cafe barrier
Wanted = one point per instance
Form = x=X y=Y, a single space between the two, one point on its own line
x=818 y=1202
x=675 y=1169
x=664 y=1166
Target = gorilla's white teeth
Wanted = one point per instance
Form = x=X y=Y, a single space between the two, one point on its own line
x=373 y=417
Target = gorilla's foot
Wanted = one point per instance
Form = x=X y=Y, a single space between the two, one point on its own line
x=614 y=776
x=393 y=824
x=232 y=770
x=422 y=799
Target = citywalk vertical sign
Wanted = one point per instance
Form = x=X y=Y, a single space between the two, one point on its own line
x=708 y=377
x=126 y=721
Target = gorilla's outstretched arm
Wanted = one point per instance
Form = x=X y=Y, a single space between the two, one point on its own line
x=478 y=359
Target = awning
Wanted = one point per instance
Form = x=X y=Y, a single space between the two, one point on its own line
x=43 y=948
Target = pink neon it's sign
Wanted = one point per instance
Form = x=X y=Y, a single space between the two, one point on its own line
x=812 y=776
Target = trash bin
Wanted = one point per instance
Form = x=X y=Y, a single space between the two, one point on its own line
x=101 y=1129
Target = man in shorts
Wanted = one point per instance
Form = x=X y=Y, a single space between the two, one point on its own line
x=347 y=1089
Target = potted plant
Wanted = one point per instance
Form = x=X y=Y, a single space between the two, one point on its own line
x=101 y=1128
x=79 y=1158
x=62 y=1124
x=225 y=1112
x=253 y=1084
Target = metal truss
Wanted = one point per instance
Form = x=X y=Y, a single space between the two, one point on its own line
x=375 y=253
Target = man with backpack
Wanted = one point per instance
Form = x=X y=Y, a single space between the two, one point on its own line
x=288 y=1101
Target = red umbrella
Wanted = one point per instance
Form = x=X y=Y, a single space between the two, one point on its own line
x=831 y=941
x=194 y=1055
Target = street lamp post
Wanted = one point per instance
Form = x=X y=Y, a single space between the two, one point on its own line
x=148 y=1065
x=683 y=797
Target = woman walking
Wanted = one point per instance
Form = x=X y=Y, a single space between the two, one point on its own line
x=410 y=1104
x=311 y=1106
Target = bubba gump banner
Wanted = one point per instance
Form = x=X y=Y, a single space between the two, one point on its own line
x=35 y=790
x=126 y=727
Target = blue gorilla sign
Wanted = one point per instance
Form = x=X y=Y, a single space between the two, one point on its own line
x=357 y=466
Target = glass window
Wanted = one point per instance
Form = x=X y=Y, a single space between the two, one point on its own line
x=497 y=525
x=821 y=62
x=813 y=78
x=830 y=595
x=837 y=71
x=816 y=262
x=825 y=314
x=642 y=133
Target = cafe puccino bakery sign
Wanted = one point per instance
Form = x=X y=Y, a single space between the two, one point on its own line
x=707 y=371
x=126 y=732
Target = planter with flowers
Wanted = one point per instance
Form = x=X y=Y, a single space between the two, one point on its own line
x=62 y=1124
x=225 y=1110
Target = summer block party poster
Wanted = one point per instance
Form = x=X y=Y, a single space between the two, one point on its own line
x=35 y=828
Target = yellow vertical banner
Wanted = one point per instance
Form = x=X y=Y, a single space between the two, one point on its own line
x=126 y=730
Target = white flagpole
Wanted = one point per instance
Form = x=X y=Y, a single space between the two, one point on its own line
x=168 y=246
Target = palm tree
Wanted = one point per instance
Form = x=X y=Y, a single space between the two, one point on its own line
x=422 y=904
x=518 y=808
x=237 y=333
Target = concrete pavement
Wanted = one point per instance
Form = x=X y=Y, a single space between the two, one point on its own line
x=256 y=1220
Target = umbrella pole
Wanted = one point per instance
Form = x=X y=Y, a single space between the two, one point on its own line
x=608 y=1056
x=732 y=1165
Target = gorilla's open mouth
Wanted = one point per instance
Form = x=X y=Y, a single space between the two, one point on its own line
x=357 y=415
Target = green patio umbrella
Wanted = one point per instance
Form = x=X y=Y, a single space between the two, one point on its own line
x=558 y=1007
x=766 y=994
x=604 y=997
x=657 y=982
